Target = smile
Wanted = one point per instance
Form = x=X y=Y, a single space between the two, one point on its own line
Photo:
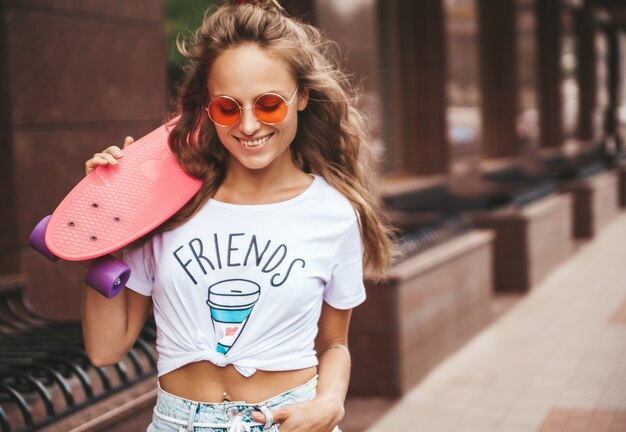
x=256 y=142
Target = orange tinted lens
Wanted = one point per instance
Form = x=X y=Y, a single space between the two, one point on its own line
x=270 y=108
x=224 y=111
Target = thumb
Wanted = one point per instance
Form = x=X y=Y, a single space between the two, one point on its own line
x=128 y=141
x=258 y=416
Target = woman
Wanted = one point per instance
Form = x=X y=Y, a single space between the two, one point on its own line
x=253 y=282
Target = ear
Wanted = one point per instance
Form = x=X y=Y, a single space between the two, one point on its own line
x=303 y=99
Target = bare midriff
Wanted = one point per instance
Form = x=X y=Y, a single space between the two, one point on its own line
x=205 y=382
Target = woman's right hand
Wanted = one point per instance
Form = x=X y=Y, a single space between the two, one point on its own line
x=107 y=157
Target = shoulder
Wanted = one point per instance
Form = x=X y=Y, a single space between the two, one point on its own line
x=333 y=201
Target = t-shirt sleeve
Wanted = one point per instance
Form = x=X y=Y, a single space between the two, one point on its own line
x=141 y=263
x=345 y=289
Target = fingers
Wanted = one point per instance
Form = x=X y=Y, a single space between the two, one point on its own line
x=128 y=141
x=107 y=157
x=258 y=416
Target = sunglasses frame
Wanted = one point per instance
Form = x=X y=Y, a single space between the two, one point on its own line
x=242 y=108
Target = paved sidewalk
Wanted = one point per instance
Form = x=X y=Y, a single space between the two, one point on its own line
x=555 y=362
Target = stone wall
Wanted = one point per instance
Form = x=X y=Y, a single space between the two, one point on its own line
x=530 y=241
x=430 y=306
x=596 y=202
x=77 y=77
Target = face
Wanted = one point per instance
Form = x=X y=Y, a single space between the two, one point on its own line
x=244 y=73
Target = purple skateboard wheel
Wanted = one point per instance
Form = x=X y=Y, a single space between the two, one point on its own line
x=37 y=239
x=108 y=276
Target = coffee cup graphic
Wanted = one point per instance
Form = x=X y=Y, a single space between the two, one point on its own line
x=231 y=302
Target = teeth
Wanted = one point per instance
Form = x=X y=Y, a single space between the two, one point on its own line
x=255 y=143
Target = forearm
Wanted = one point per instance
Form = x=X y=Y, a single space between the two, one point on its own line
x=334 y=375
x=105 y=324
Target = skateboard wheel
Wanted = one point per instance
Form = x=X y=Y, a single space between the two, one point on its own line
x=37 y=241
x=108 y=276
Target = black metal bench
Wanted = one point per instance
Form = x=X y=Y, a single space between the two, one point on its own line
x=427 y=235
x=45 y=374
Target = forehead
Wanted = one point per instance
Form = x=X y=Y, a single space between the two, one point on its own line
x=247 y=71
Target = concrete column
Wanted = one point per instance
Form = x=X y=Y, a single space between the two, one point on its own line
x=354 y=25
x=499 y=79
x=587 y=72
x=616 y=47
x=549 y=72
x=9 y=258
x=421 y=60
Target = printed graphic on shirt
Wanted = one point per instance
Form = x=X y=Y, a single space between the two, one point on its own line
x=231 y=300
x=231 y=303
x=199 y=257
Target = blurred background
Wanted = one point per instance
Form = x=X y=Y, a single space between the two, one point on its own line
x=499 y=124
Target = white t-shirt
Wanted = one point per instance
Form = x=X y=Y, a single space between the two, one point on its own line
x=244 y=284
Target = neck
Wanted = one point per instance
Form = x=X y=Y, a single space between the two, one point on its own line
x=272 y=177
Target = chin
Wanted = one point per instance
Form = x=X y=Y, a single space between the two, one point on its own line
x=254 y=165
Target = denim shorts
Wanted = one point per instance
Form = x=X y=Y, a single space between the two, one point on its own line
x=175 y=414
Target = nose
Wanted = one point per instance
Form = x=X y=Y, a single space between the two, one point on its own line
x=249 y=124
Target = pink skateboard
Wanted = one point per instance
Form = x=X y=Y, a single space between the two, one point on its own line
x=114 y=206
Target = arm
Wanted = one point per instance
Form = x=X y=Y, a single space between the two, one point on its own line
x=111 y=326
x=334 y=366
x=324 y=412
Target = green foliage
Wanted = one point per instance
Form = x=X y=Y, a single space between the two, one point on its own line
x=182 y=17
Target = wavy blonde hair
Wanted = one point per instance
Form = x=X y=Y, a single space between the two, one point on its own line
x=331 y=140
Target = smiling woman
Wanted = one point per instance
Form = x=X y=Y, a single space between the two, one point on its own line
x=245 y=72
x=254 y=280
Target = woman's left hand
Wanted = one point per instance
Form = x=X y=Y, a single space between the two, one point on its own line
x=317 y=415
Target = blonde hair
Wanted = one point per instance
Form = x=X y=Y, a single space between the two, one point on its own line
x=331 y=140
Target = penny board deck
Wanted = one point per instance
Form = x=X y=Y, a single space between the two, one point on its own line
x=117 y=204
